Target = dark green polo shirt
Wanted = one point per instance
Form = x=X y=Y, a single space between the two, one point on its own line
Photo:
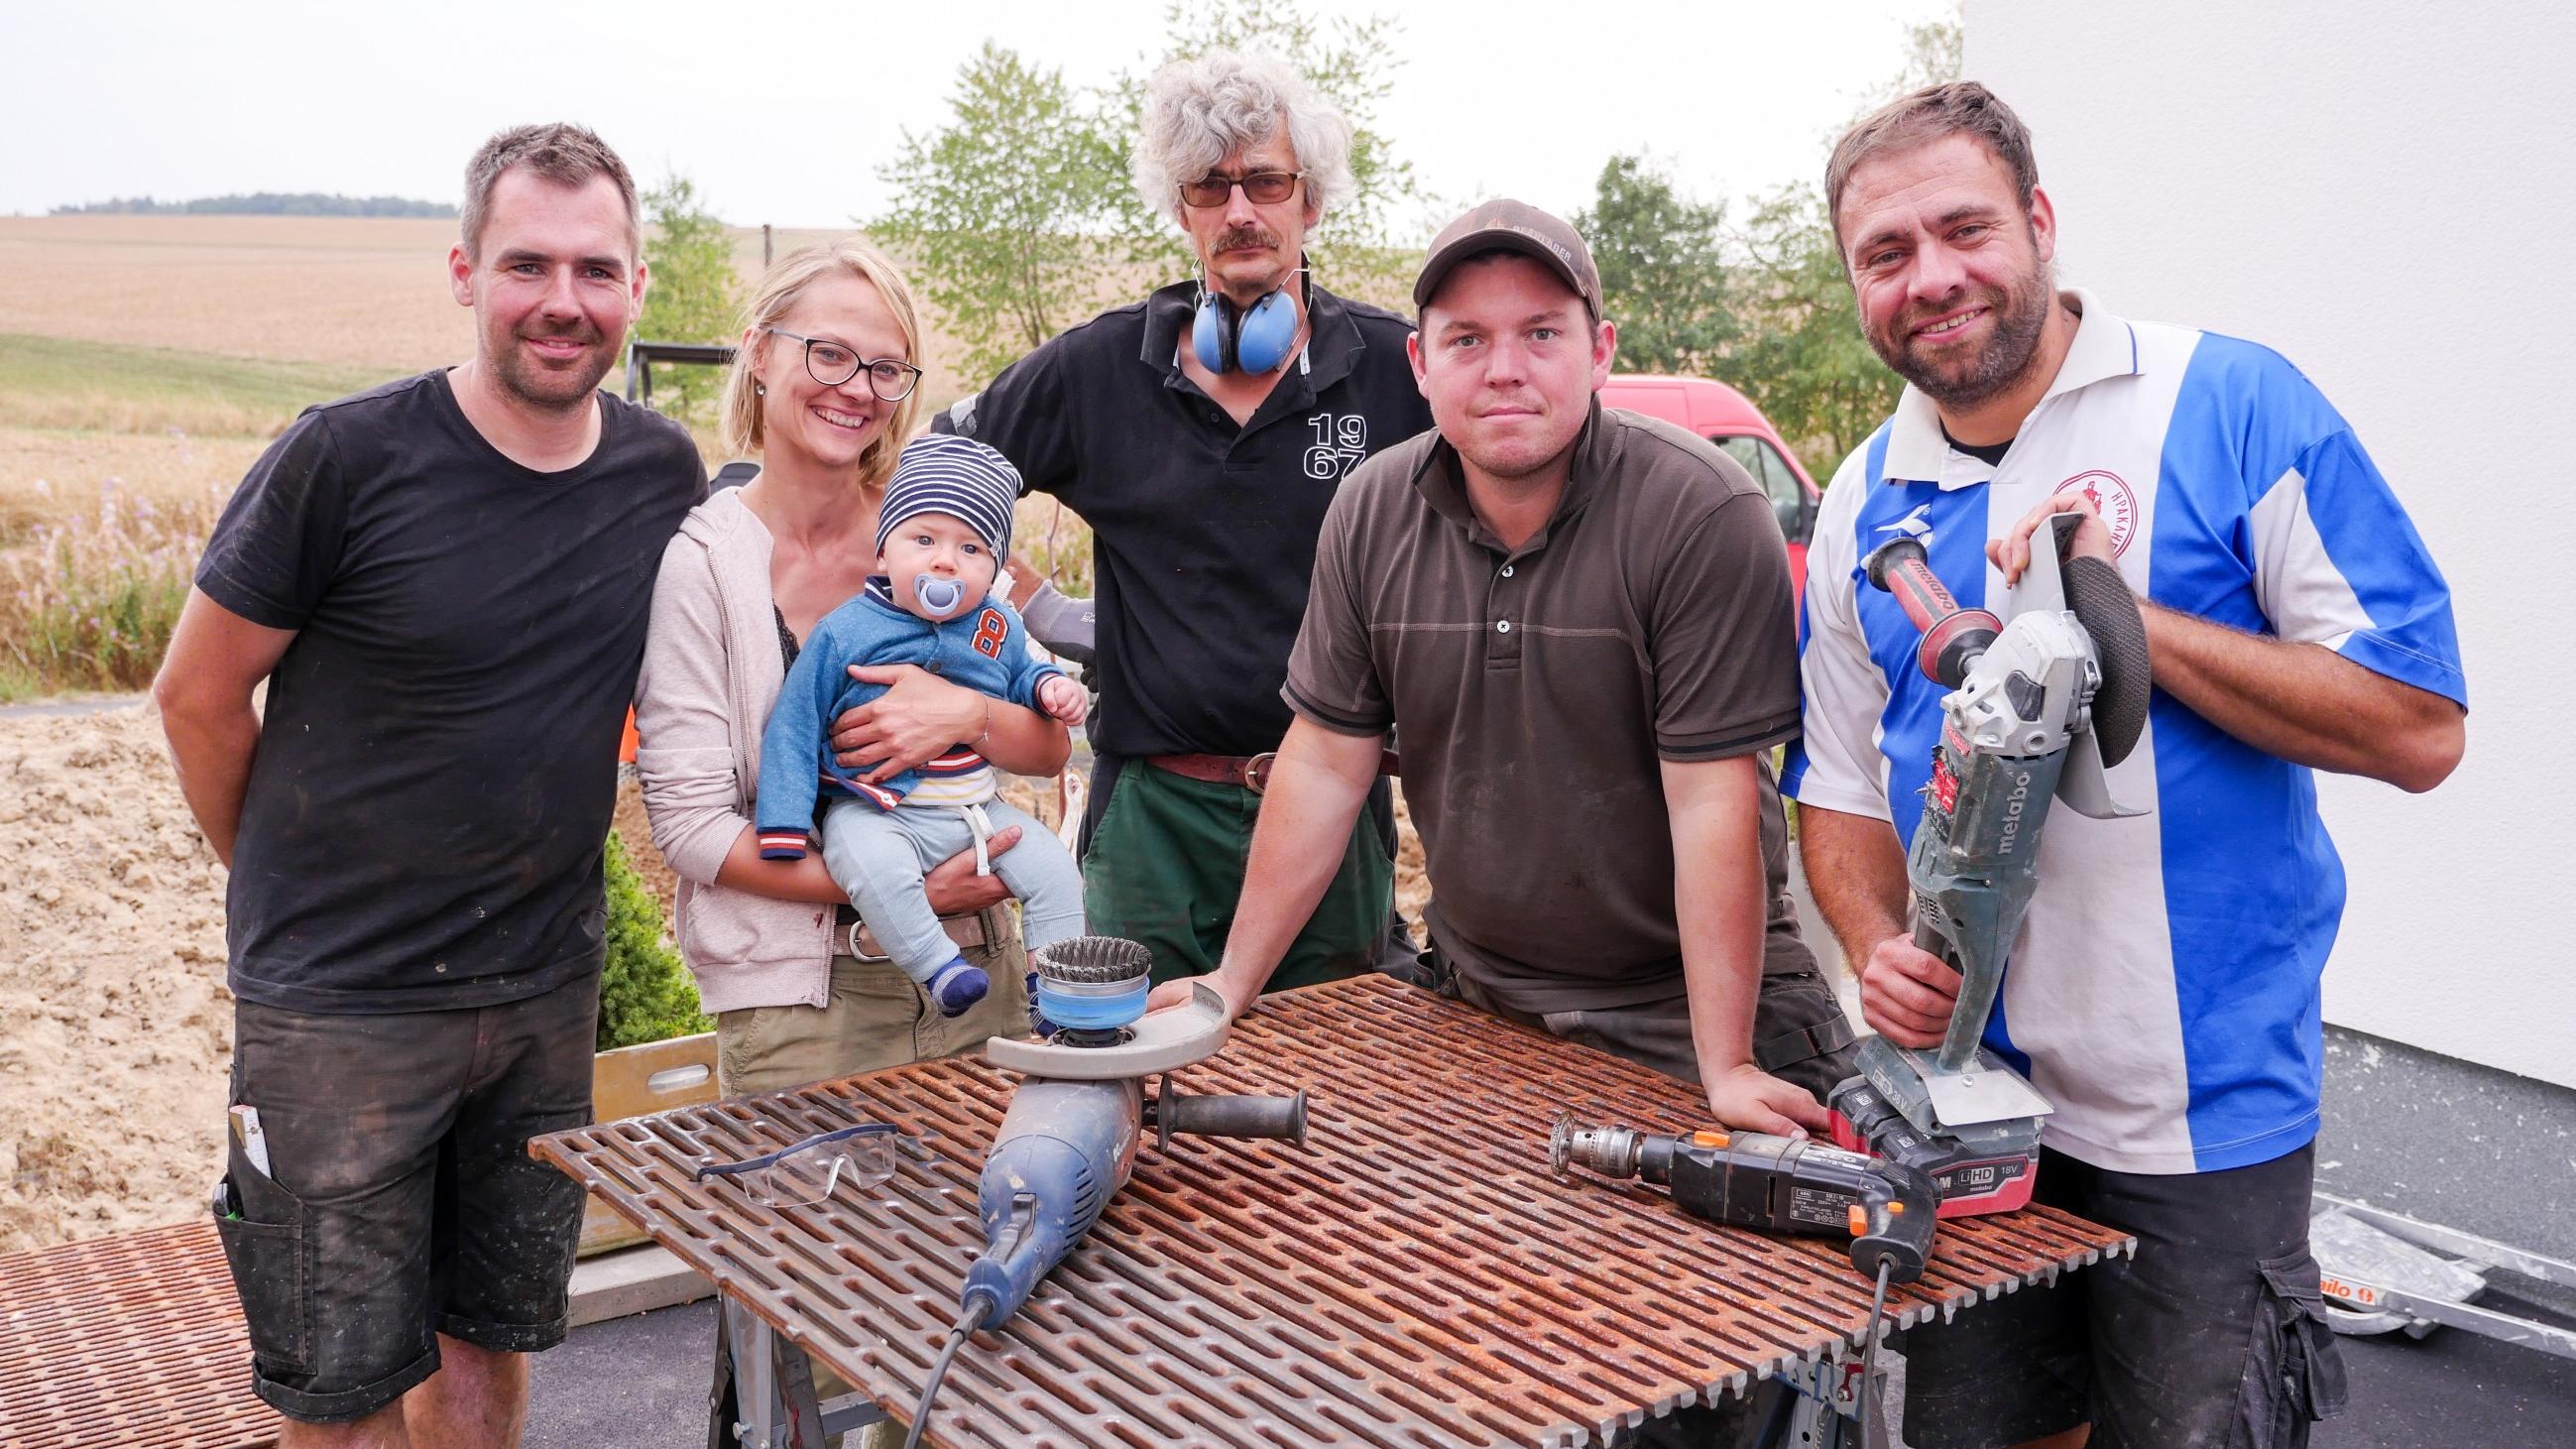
x=1537 y=689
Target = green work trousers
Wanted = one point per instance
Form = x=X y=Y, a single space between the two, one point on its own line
x=1164 y=866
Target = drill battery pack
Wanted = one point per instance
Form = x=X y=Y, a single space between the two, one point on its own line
x=1990 y=1167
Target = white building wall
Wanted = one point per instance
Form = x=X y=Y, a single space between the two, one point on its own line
x=2386 y=192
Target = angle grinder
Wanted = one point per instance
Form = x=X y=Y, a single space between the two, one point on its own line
x=2038 y=710
x=1069 y=1140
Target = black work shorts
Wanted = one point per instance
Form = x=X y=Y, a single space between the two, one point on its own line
x=2213 y=1336
x=400 y=1201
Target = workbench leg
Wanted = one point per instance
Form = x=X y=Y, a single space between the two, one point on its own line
x=722 y=1410
x=795 y=1379
x=1824 y=1402
x=763 y=1395
x=760 y=1417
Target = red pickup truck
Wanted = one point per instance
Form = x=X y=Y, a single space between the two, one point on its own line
x=1729 y=419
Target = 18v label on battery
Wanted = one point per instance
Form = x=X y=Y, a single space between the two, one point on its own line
x=1980 y=1176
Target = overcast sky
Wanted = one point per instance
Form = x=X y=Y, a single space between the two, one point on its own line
x=787 y=120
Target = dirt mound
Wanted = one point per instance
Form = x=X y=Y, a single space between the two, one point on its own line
x=111 y=981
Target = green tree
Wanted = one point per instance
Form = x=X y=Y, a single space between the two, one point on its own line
x=1935 y=54
x=1802 y=357
x=694 y=296
x=1001 y=211
x=1663 y=269
x=1015 y=212
x=645 y=993
x=1801 y=354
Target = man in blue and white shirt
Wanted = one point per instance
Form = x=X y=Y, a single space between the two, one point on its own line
x=2164 y=990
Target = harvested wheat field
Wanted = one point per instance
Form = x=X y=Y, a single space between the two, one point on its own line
x=354 y=291
x=369 y=293
x=47 y=477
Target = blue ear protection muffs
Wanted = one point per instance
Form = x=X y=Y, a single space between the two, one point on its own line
x=1254 y=341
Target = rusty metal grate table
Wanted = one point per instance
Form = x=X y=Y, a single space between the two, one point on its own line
x=128 y=1340
x=1413 y=1277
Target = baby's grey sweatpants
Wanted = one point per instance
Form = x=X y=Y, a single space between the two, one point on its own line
x=879 y=856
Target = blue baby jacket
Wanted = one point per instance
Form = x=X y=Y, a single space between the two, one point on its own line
x=985 y=650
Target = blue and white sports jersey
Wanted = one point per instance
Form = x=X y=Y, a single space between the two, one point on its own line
x=2164 y=990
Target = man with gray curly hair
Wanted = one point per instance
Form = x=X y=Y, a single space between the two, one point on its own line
x=1202 y=432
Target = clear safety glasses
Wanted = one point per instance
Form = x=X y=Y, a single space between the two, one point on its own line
x=812 y=1170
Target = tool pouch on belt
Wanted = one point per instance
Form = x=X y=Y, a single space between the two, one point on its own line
x=2293 y=1370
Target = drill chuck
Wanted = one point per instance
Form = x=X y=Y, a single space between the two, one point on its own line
x=1607 y=1151
x=1777 y=1184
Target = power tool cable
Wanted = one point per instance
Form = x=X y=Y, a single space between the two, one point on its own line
x=965 y=1326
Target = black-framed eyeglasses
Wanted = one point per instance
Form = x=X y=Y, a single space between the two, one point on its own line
x=1261 y=188
x=832 y=364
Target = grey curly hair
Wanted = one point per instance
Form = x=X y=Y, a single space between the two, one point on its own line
x=1202 y=110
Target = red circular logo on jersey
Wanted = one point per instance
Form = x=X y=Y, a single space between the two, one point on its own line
x=2113 y=500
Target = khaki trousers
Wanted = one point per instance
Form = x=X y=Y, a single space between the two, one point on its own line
x=874 y=1018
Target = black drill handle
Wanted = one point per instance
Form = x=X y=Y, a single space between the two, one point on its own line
x=1897 y=1213
x=1953 y=637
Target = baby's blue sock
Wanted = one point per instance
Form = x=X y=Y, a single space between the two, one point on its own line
x=957 y=986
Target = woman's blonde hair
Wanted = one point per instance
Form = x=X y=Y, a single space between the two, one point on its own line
x=786 y=282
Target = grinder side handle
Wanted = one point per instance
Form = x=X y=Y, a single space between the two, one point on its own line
x=1953 y=637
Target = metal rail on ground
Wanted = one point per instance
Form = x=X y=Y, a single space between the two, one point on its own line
x=2384 y=1271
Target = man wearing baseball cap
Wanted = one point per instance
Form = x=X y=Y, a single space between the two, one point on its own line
x=1579 y=620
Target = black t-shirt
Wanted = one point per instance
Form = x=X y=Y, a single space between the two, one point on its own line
x=1203 y=532
x=437 y=764
x=1990 y=454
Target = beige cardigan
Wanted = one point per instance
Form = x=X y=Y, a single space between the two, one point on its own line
x=711 y=674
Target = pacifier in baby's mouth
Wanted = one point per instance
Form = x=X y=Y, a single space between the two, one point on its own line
x=939 y=598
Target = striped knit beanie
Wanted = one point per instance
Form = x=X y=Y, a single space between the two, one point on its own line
x=944 y=473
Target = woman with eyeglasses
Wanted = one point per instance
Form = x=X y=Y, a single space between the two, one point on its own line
x=824 y=392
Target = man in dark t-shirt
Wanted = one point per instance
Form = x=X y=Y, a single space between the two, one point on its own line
x=444 y=584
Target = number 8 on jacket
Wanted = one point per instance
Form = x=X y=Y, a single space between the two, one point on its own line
x=989 y=633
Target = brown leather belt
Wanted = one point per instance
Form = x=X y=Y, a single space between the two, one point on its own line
x=1251 y=772
x=851 y=936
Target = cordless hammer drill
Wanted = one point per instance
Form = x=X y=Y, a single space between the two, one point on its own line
x=1775 y=1184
